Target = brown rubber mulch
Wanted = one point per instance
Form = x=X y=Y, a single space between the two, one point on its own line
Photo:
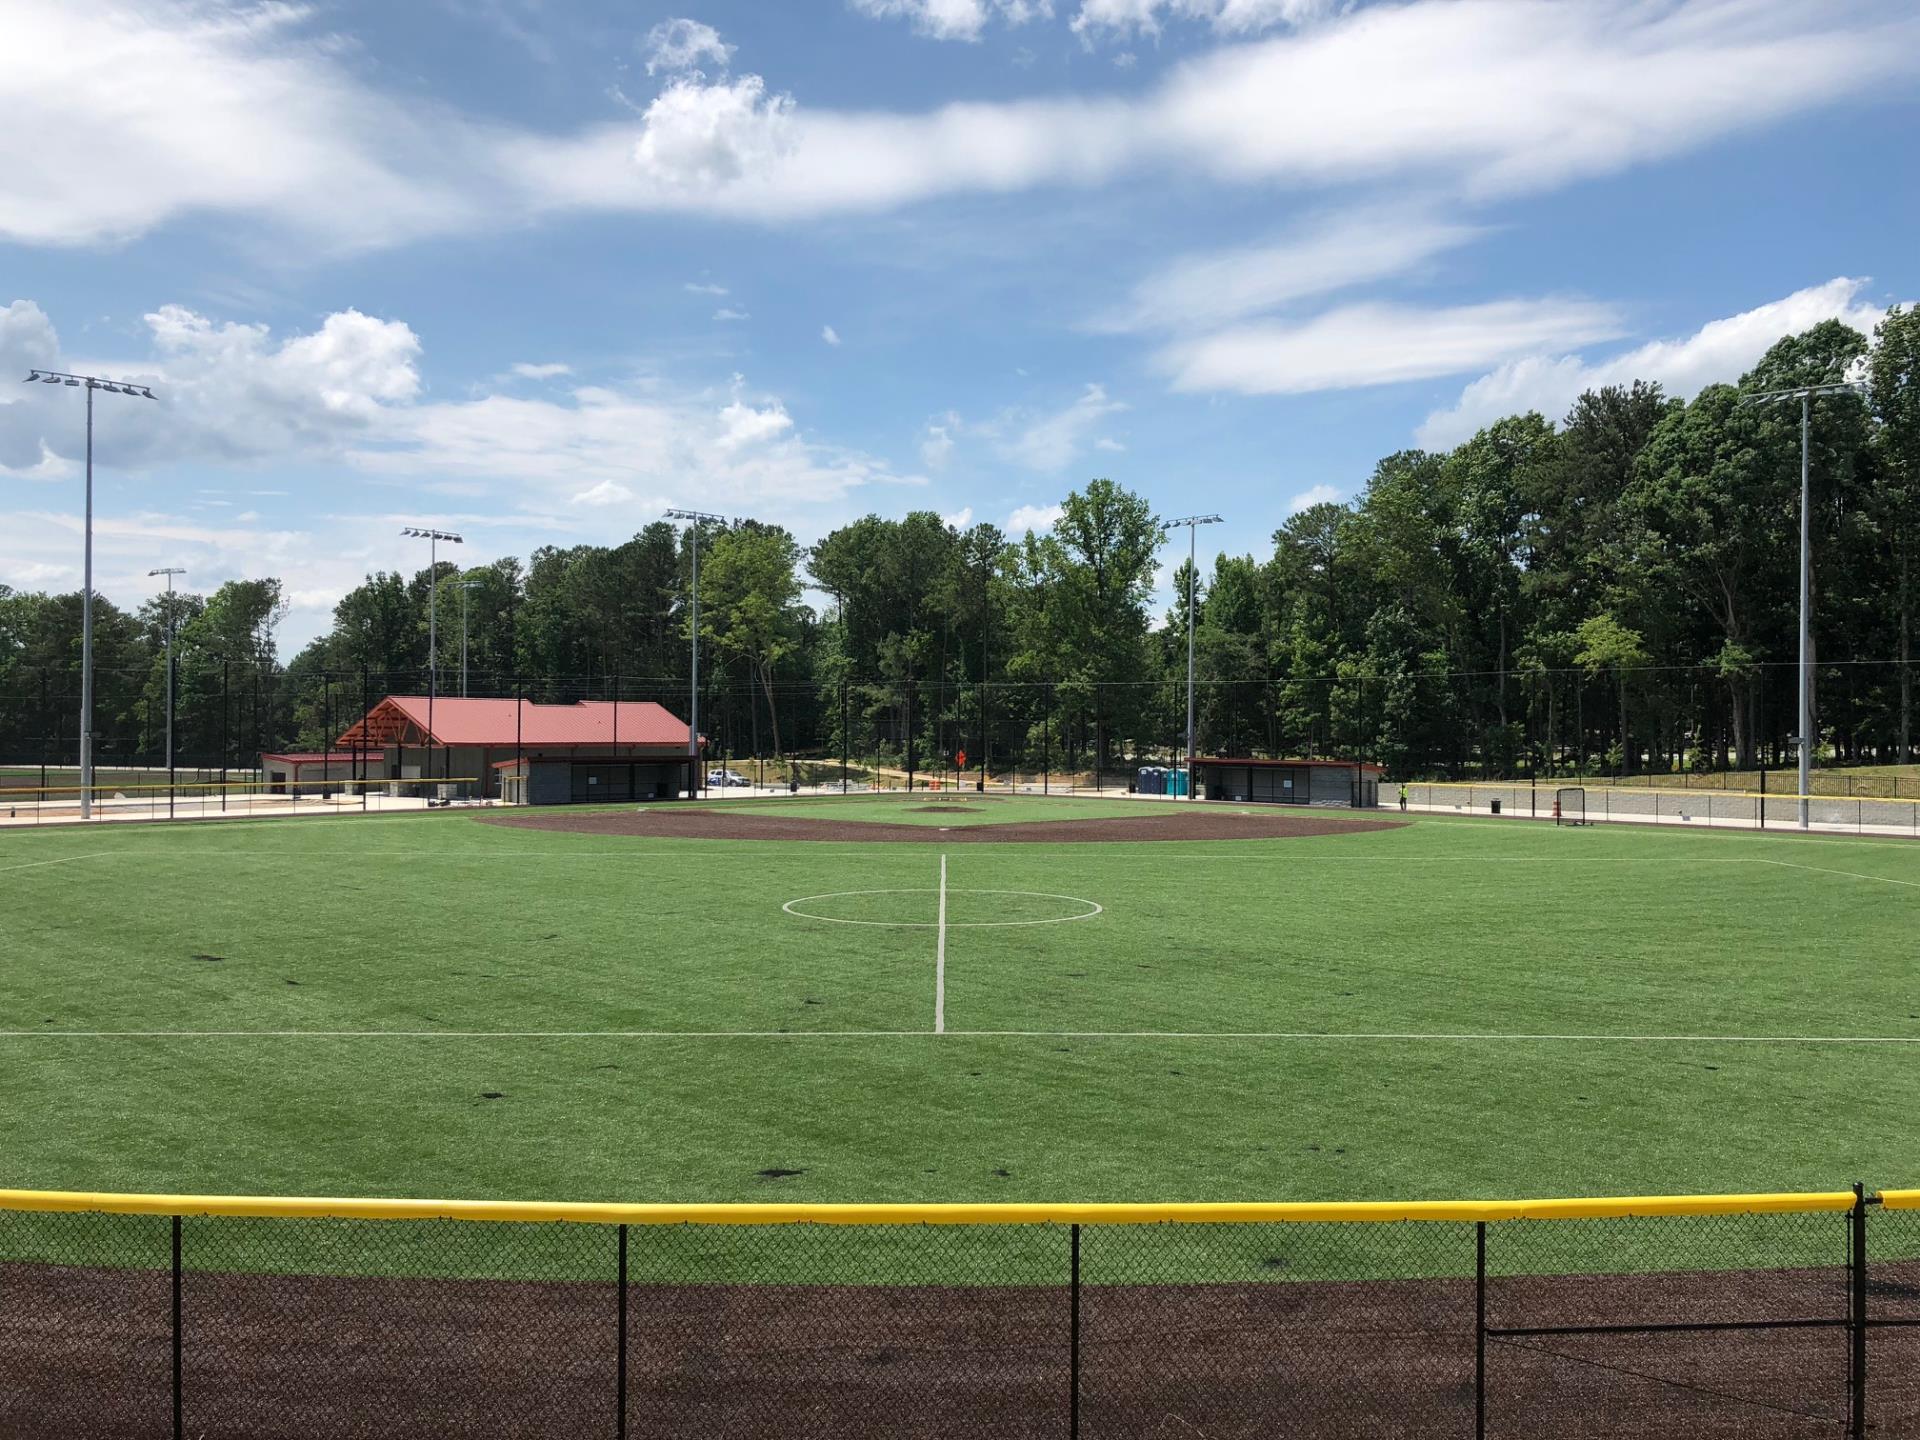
x=86 y=1355
x=686 y=822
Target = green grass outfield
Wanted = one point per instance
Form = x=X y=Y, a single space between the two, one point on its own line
x=1443 y=1010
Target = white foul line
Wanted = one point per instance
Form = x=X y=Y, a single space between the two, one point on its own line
x=1287 y=1035
x=1823 y=870
x=940 y=959
x=64 y=860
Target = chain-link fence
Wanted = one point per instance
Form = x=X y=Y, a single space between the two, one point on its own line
x=1701 y=808
x=1745 y=1316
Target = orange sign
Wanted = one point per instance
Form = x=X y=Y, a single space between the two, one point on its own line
x=960 y=759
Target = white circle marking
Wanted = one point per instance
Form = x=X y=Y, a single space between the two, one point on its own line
x=1088 y=914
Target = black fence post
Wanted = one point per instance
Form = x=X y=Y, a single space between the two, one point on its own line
x=620 y=1383
x=179 y=1413
x=1857 y=1315
x=1480 y=1330
x=1073 y=1344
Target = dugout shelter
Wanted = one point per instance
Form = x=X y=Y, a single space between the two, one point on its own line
x=1289 y=782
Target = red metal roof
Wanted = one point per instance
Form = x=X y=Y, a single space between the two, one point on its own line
x=509 y=722
x=314 y=757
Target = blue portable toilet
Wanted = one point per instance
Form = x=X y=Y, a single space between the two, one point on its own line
x=1151 y=780
x=1176 y=782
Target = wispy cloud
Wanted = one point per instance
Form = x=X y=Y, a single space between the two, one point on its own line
x=1721 y=350
x=1377 y=344
x=1487 y=98
x=1197 y=292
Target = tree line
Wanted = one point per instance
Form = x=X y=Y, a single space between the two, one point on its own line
x=1618 y=591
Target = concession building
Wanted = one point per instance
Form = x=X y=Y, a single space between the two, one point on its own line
x=519 y=751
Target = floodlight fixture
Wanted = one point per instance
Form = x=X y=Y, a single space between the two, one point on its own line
x=433 y=538
x=92 y=383
x=1806 y=395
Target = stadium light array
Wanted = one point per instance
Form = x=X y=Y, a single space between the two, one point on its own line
x=112 y=387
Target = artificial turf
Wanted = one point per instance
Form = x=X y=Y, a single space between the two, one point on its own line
x=1178 y=1045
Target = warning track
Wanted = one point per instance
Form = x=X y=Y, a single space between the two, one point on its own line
x=688 y=822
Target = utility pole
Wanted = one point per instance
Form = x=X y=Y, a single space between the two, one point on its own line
x=693 y=519
x=1803 y=742
x=169 y=571
x=112 y=387
x=1193 y=524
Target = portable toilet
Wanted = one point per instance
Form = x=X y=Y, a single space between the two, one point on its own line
x=1176 y=782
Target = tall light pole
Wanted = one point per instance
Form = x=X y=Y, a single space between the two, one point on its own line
x=1803 y=742
x=112 y=387
x=169 y=571
x=1193 y=524
x=693 y=519
x=465 y=586
x=433 y=539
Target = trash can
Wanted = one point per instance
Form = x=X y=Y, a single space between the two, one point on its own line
x=1496 y=807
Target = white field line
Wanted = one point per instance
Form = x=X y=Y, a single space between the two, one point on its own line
x=1312 y=1036
x=63 y=860
x=940 y=959
x=1854 y=874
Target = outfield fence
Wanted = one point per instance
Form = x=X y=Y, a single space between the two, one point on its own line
x=1707 y=808
x=186 y=799
x=1745 y=1315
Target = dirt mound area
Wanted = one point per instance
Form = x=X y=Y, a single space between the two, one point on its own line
x=946 y=809
x=1155 y=822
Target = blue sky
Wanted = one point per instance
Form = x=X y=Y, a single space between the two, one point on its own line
x=536 y=271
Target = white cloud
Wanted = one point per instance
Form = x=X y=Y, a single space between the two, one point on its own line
x=1052 y=441
x=1121 y=18
x=1108 y=443
x=1337 y=251
x=1720 y=350
x=226 y=392
x=607 y=492
x=728 y=312
x=1034 y=517
x=701 y=287
x=954 y=19
x=830 y=335
x=527 y=371
x=176 y=106
x=959 y=519
x=696 y=138
x=1377 y=344
x=1486 y=97
x=1307 y=499
x=676 y=46
x=936 y=447
x=347 y=396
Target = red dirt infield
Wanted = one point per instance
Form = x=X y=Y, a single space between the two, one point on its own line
x=686 y=822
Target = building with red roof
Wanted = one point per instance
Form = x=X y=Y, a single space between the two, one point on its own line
x=517 y=750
